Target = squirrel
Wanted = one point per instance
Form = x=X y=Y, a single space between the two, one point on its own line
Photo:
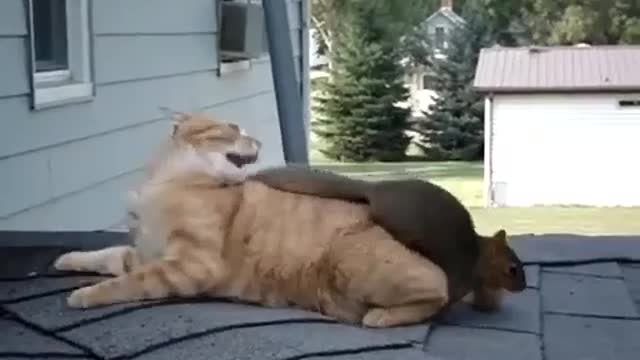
x=427 y=219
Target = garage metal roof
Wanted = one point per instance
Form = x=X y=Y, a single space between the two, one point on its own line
x=559 y=69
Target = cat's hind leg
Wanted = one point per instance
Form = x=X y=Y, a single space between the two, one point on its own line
x=412 y=304
x=400 y=286
x=116 y=260
x=400 y=315
x=188 y=274
x=422 y=296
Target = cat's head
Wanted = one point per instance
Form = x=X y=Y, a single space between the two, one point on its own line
x=499 y=266
x=212 y=137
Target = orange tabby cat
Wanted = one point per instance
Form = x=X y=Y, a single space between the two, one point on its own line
x=196 y=235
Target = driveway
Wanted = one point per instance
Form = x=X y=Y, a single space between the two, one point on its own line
x=582 y=302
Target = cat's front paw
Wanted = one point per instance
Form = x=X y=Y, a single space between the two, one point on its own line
x=67 y=262
x=377 y=318
x=80 y=298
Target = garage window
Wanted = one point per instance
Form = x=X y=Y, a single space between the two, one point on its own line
x=629 y=103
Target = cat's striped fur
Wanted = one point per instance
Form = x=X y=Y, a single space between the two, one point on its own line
x=196 y=235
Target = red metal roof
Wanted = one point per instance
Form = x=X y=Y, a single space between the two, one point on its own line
x=539 y=69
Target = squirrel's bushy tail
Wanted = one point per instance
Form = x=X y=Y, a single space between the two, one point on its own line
x=315 y=182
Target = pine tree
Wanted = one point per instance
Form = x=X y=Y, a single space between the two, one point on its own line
x=356 y=110
x=454 y=127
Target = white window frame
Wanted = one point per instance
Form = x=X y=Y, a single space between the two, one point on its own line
x=74 y=84
x=228 y=67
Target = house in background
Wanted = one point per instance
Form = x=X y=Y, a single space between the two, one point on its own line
x=439 y=27
x=82 y=82
x=561 y=125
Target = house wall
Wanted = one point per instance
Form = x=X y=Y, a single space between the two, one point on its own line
x=68 y=168
x=421 y=95
x=437 y=21
x=565 y=149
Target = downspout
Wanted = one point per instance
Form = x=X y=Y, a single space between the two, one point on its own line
x=289 y=100
x=31 y=52
x=488 y=150
x=305 y=56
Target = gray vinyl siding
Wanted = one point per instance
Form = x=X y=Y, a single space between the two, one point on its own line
x=69 y=167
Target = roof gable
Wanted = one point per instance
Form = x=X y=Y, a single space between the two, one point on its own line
x=563 y=68
x=449 y=15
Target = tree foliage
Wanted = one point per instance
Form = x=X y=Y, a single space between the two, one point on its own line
x=514 y=22
x=356 y=110
x=597 y=22
x=330 y=17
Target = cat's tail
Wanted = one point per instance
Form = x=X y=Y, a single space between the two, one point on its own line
x=314 y=182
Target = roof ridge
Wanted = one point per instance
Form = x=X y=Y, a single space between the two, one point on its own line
x=448 y=13
x=561 y=47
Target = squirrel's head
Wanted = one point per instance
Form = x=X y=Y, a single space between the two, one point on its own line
x=499 y=266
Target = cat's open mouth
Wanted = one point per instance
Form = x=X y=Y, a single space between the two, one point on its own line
x=241 y=160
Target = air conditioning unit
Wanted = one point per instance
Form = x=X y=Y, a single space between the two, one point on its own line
x=242 y=31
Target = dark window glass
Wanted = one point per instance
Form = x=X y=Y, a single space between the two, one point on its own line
x=50 y=35
x=440 y=37
x=625 y=103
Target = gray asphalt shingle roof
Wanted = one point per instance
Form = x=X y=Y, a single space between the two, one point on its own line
x=582 y=301
x=562 y=68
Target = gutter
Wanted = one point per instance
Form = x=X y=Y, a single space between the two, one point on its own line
x=557 y=90
x=291 y=115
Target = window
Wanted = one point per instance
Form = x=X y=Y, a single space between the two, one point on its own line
x=425 y=82
x=60 y=52
x=629 y=103
x=439 y=37
x=50 y=40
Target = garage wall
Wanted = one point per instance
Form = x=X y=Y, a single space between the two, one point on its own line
x=569 y=149
x=68 y=168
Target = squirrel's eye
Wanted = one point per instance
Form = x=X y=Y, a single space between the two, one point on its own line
x=513 y=269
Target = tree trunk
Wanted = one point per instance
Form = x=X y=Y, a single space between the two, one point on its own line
x=325 y=32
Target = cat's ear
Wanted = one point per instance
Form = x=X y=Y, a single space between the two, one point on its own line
x=173 y=114
x=133 y=196
x=176 y=117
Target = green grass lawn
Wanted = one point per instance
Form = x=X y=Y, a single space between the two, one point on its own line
x=464 y=180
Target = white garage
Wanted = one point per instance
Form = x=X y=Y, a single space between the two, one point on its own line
x=562 y=125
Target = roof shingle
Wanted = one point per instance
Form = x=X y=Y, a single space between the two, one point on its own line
x=579 y=304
